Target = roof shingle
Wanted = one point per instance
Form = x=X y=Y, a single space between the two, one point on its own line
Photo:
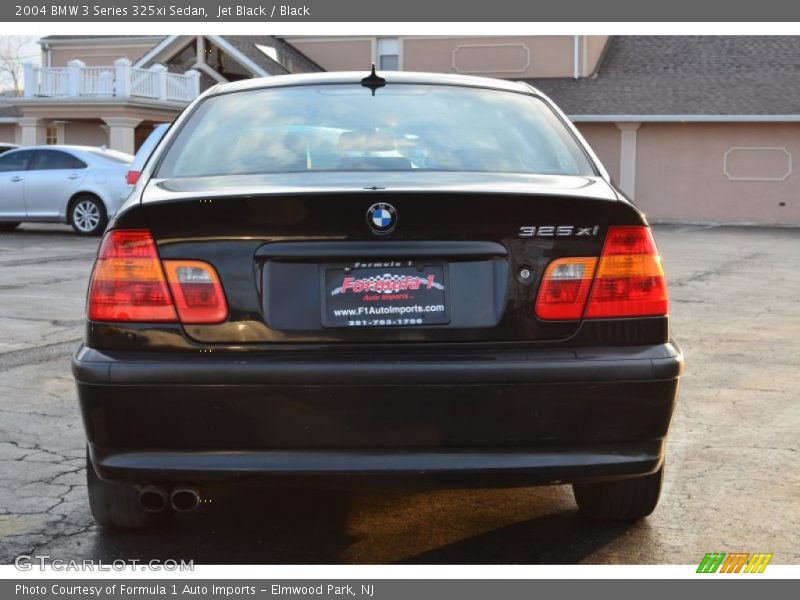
x=687 y=75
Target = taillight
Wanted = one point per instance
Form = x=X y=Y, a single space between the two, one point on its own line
x=565 y=287
x=131 y=177
x=197 y=291
x=629 y=281
x=129 y=284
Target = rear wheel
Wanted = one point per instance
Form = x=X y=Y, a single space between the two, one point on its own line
x=116 y=505
x=88 y=215
x=8 y=226
x=624 y=499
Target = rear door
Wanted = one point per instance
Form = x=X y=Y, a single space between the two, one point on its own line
x=12 y=177
x=53 y=177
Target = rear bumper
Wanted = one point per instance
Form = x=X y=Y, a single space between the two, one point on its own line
x=454 y=419
x=399 y=469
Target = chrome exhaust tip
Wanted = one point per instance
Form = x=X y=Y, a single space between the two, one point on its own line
x=184 y=499
x=153 y=499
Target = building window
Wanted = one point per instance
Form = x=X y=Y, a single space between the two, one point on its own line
x=388 y=51
x=51 y=135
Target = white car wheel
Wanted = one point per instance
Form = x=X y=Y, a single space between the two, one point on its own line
x=88 y=216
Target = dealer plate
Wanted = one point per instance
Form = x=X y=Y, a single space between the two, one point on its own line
x=385 y=294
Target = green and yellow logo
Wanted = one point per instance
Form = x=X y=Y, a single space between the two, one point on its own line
x=736 y=562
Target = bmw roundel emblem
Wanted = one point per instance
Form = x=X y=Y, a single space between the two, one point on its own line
x=381 y=217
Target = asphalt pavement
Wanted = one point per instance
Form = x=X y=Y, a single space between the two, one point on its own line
x=732 y=479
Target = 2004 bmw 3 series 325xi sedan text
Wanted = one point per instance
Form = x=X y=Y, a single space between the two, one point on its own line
x=340 y=280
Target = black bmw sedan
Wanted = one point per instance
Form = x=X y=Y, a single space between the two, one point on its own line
x=345 y=279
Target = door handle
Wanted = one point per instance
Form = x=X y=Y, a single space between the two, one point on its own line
x=73 y=176
x=16 y=178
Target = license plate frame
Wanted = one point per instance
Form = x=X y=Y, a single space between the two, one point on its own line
x=400 y=293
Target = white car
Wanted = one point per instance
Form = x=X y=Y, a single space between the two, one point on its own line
x=142 y=154
x=80 y=185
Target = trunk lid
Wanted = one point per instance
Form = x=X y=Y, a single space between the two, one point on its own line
x=284 y=246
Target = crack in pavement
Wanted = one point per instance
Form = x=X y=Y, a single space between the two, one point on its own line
x=27 y=284
x=723 y=268
x=28 y=413
x=47 y=493
x=47 y=259
x=66 y=323
x=38 y=354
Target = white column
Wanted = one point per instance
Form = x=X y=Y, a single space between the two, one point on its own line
x=627 y=158
x=161 y=81
x=194 y=77
x=32 y=131
x=122 y=77
x=29 y=79
x=121 y=133
x=200 y=52
x=576 y=56
x=61 y=131
x=74 y=73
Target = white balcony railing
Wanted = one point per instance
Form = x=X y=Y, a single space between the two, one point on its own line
x=122 y=80
x=178 y=87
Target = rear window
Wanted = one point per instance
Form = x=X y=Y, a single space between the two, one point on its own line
x=112 y=156
x=346 y=128
x=15 y=161
x=146 y=149
x=45 y=160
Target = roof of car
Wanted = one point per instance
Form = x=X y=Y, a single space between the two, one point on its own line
x=93 y=149
x=357 y=76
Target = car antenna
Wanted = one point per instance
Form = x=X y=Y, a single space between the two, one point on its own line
x=373 y=81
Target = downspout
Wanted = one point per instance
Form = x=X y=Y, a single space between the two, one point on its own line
x=48 y=56
x=576 y=55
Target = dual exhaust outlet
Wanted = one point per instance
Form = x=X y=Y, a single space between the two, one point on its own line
x=155 y=498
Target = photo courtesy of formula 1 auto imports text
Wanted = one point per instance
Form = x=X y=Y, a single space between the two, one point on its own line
x=355 y=299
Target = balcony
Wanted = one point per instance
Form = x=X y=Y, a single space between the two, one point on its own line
x=119 y=81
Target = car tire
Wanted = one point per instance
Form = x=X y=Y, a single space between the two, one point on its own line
x=115 y=505
x=8 y=226
x=623 y=499
x=87 y=215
